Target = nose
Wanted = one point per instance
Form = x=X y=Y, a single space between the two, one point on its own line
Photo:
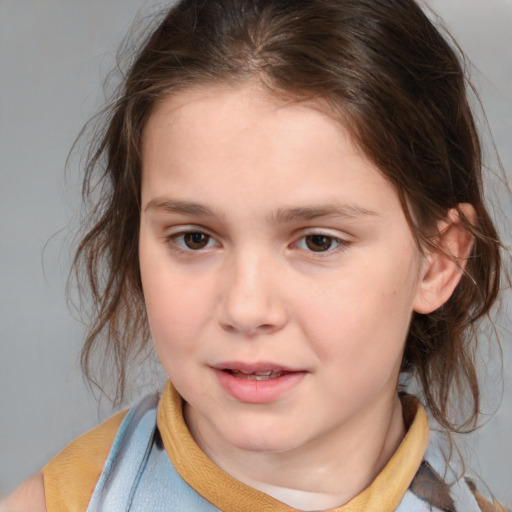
x=251 y=302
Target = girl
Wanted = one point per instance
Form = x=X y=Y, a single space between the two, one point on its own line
x=292 y=207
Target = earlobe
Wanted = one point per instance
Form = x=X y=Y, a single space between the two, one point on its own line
x=444 y=266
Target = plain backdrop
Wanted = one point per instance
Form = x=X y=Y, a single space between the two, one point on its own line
x=54 y=57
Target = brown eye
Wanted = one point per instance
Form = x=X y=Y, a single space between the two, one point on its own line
x=319 y=243
x=195 y=240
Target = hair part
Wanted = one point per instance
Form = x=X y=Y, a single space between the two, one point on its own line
x=394 y=82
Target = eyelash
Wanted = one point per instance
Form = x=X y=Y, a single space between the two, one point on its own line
x=183 y=247
x=338 y=242
x=179 y=243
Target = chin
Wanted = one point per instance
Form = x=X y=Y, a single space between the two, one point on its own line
x=264 y=439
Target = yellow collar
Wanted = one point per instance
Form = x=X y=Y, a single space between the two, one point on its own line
x=229 y=495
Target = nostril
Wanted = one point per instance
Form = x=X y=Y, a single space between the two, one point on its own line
x=249 y=331
x=250 y=314
x=266 y=328
x=228 y=328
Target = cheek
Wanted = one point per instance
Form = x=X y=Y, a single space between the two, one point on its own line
x=362 y=316
x=174 y=310
x=175 y=306
x=174 y=323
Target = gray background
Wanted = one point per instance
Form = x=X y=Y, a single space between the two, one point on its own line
x=54 y=56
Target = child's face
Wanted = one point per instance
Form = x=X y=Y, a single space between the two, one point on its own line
x=270 y=243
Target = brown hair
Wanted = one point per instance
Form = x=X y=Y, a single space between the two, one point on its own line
x=398 y=86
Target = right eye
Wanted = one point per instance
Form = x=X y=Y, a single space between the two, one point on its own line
x=320 y=243
x=193 y=240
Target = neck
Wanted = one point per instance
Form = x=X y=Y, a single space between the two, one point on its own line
x=325 y=473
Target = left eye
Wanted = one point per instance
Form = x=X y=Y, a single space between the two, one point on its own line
x=193 y=240
x=319 y=243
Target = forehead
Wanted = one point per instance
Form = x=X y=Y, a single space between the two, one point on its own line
x=227 y=143
x=220 y=119
x=245 y=106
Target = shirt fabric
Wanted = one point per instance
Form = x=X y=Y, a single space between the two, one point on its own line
x=145 y=459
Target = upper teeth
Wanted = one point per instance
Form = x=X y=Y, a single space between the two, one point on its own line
x=268 y=372
x=263 y=374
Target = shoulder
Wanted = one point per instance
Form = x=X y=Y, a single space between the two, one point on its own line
x=28 y=496
x=70 y=477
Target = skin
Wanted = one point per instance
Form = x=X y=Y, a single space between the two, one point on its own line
x=28 y=496
x=236 y=186
x=279 y=181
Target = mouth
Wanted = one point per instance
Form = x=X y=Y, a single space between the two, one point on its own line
x=259 y=382
x=262 y=375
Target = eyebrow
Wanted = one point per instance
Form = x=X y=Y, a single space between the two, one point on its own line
x=282 y=215
x=315 y=212
x=183 y=207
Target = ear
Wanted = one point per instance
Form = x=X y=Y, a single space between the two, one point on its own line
x=443 y=266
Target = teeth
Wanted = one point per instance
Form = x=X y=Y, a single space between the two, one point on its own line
x=266 y=375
